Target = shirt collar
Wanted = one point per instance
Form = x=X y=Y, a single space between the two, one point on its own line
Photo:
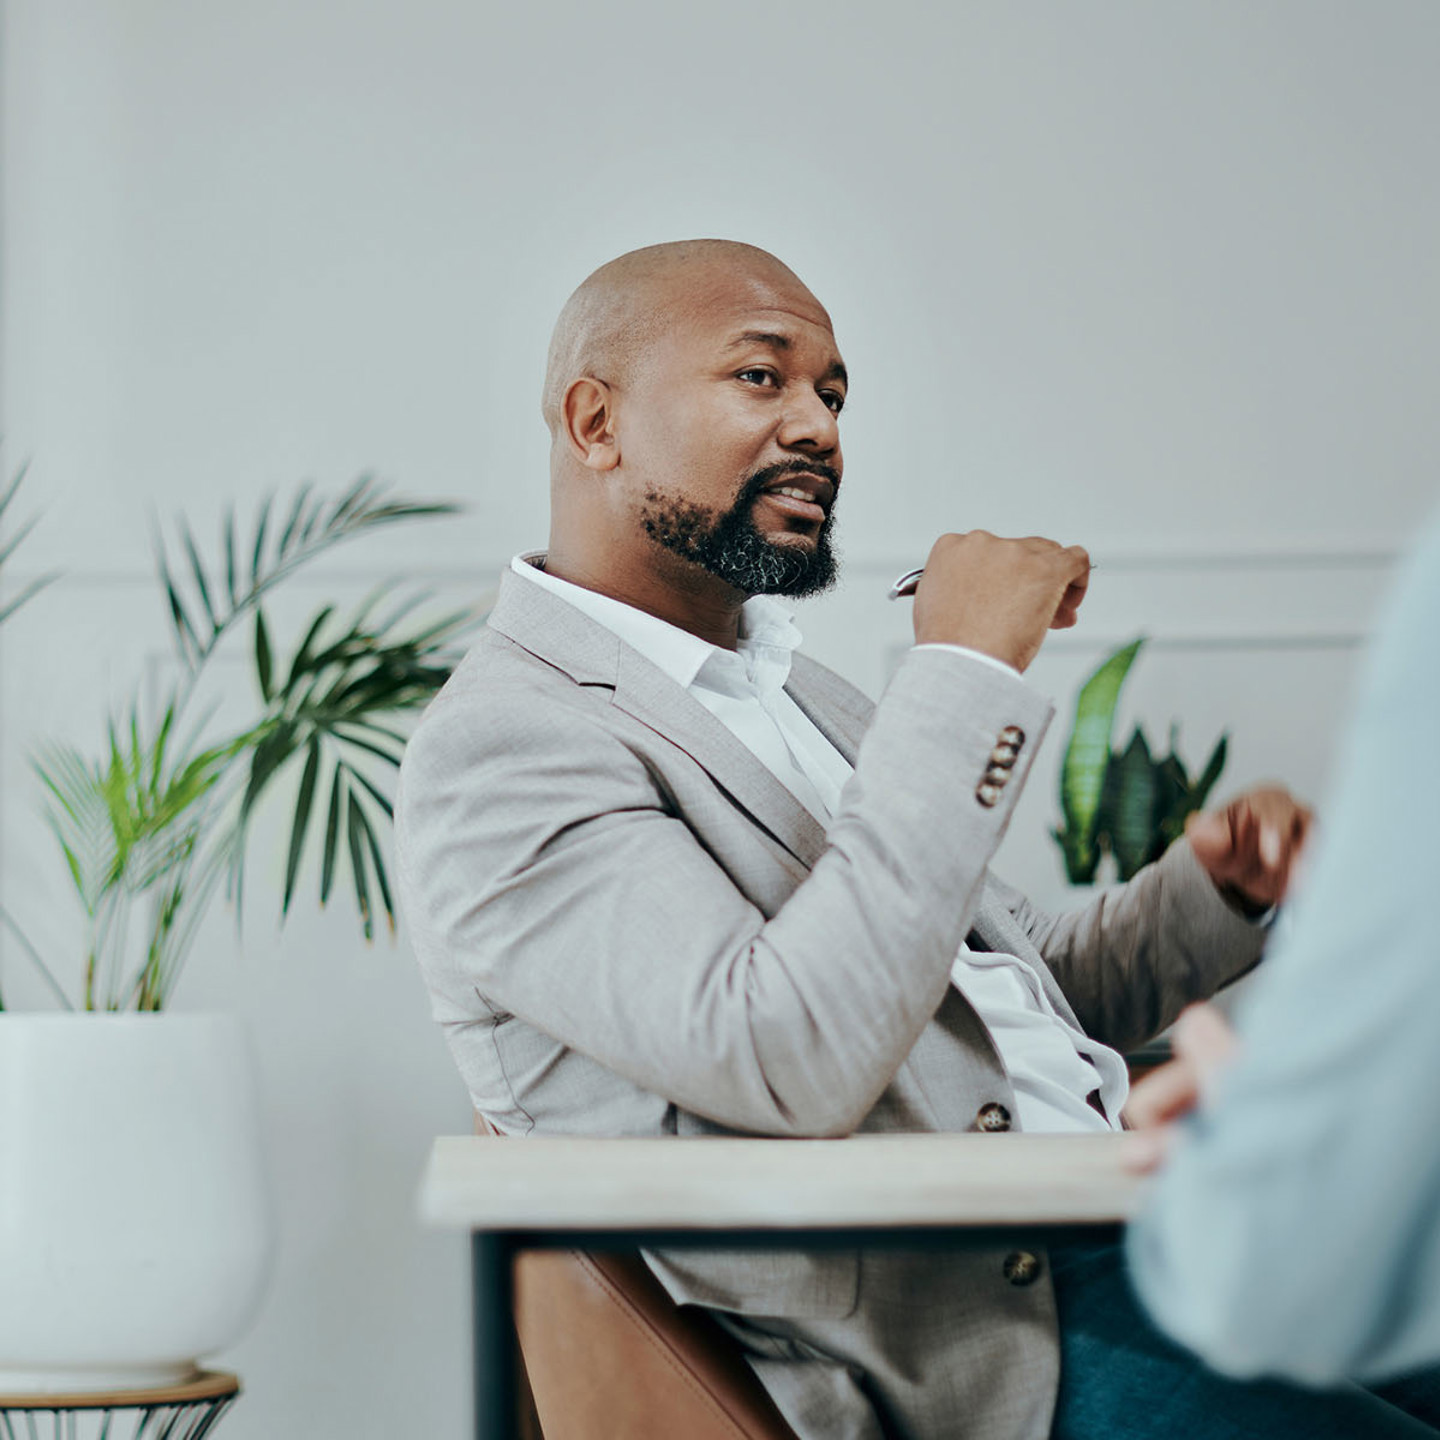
x=768 y=636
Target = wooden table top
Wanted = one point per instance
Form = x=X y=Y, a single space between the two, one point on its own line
x=203 y=1385
x=536 y=1184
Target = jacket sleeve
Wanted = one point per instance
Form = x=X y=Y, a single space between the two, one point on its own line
x=544 y=867
x=1136 y=955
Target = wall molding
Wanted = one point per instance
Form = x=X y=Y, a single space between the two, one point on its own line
x=1137 y=560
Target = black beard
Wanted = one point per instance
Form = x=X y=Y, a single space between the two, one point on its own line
x=730 y=546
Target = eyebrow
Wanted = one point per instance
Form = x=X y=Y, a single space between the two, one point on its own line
x=776 y=341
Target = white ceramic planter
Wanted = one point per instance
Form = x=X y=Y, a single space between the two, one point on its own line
x=136 y=1229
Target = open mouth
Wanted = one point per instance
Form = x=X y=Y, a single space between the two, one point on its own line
x=801 y=497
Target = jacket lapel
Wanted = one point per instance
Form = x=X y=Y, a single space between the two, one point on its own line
x=839 y=711
x=564 y=637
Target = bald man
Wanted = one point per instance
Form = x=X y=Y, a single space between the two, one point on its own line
x=665 y=876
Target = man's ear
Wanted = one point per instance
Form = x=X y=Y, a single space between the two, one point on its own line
x=587 y=414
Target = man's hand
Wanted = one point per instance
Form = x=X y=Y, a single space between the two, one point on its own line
x=1204 y=1045
x=1251 y=847
x=999 y=596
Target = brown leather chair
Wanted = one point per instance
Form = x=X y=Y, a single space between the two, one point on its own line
x=608 y=1355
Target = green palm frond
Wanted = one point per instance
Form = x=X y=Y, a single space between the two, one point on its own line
x=132 y=825
x=346 y=678
x=150 y=827
x=204 y=602
x=8 y=548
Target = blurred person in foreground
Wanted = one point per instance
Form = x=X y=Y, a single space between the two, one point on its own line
x=665 y=876
x=1294 y=1227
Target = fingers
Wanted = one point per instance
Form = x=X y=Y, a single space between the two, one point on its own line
x=1078 y=581
x=1143 y=1150
x=1203 y=1039
x=1204 y=1045
x=1254 y=843
x=999 y=596
x=1165 y=1094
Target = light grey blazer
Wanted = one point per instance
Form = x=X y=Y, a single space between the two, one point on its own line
x=629 y=926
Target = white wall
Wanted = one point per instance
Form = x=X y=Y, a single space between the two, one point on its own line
x=1158 y=278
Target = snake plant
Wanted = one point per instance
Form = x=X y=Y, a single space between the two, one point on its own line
x=1130 y=804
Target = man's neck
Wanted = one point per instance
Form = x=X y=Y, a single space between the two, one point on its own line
x=686 y=597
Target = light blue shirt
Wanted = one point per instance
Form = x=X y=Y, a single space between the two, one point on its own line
x=1296 y=1230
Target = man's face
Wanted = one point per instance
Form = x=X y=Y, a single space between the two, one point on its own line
x=729 y=435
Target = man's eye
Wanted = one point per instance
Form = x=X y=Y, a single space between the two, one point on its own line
x=834 y=399
x=758 y=375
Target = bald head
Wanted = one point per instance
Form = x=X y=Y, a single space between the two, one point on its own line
x=615 y=314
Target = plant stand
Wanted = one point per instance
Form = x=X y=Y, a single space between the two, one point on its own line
x=177 y=1412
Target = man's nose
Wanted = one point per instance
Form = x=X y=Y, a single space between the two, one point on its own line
x=810 y=425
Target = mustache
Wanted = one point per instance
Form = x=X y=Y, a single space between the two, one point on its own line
x=771 y=473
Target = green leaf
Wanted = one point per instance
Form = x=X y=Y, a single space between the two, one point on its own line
x=231 y=574
x=162 y=740
x=12 y=487
x=13 y=543
x=1081 y=862
x=380 y=879
x=1087 y=756
x=354 y=498
x=303 y=802
x=297 y=510
x=1130 y=805
x=354 y=825
x=262 y=656
x=265 y=760
x=185 y=637
x=198 y=569
x=302 y=656
x=258 y=552
x=369 y=746
x=332 y=833
x=379 y=797
x=26 y=595
x=1213 y=766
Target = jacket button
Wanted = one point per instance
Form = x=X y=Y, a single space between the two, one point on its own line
x=997 y=775
x=1012 y=735
x=988 y=795
x=993 y=1118
x=1021 y=1268
x=1005 y=755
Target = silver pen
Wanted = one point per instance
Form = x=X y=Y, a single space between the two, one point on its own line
x=906 y=584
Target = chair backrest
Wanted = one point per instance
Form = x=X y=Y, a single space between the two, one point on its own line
x=610 y=1356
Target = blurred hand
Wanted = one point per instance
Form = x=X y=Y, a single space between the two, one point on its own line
x=999 y=596
x=1250 y=848
x=1204 y=1045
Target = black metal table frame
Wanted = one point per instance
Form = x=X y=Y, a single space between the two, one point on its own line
x=178 y=1420
x=493 y=1252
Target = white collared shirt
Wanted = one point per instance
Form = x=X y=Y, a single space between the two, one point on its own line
x=1052 y=1066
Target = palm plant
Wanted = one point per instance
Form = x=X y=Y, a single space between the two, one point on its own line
x=7 y=609
x=163 y=817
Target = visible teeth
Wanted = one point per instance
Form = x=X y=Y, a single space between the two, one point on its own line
x=793 y=493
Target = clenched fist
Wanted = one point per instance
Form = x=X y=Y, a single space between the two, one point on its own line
x=1251 y=847
x=999 y=596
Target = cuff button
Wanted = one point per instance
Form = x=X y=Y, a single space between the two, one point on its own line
x=1021 y=1268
